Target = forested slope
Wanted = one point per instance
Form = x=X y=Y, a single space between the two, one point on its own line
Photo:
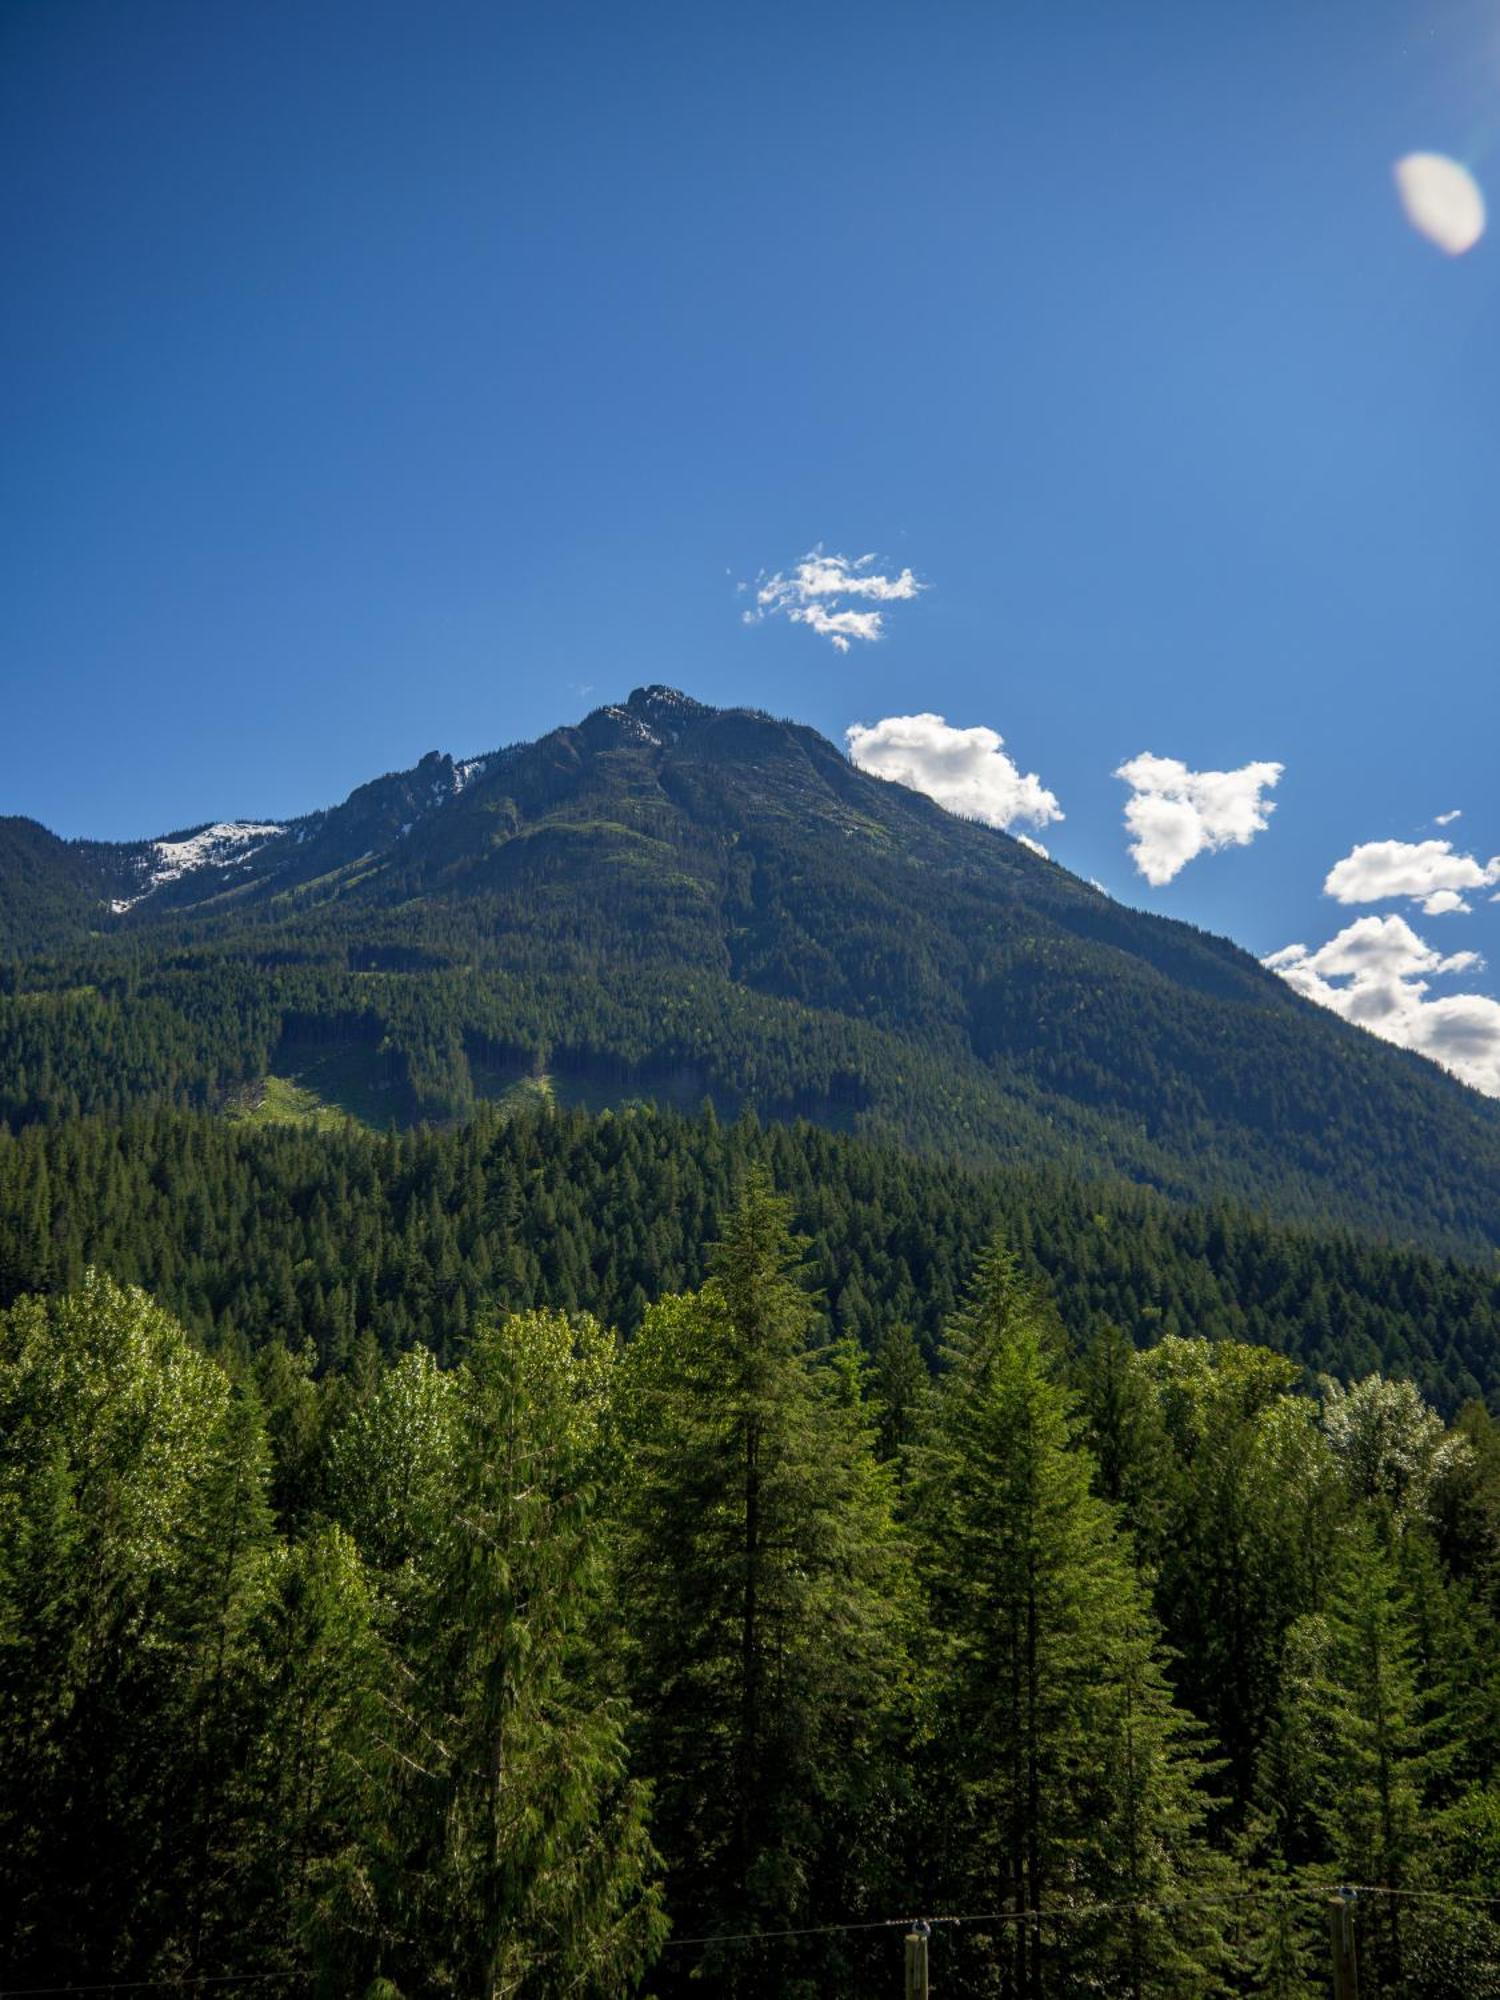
x=257 y=1234
x=674 y=901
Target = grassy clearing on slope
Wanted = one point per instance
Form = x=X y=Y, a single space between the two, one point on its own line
x=329 y=1085
x=498 y=1085
x=284 y=1101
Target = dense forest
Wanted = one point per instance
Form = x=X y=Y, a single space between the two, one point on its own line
x=711 y=1658
x=330 y=1240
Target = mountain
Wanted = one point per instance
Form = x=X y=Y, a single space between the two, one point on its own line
x=680 y=902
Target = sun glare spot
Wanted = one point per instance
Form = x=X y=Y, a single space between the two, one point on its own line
x=1442 y=201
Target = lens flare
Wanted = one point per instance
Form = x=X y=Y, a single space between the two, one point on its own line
x=1442 y=201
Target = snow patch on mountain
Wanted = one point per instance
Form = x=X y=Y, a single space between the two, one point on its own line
x=631 y=724
x=229 y=844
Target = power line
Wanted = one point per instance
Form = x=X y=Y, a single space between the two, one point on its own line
x=1076 y=1912
x=772 y=1937
x=1378 y=1889
x=1080 y=1912
x=1063 y=1914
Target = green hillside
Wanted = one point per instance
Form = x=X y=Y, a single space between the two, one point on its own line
x=677 y=902
x=307 y=1230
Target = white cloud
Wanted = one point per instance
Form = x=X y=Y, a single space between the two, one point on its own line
x=1174 y=814
x=1427 y=871
x=966 y=770
x=1035 y=846
x=808 y=596
x=840 y=626
x=1447 y=819
x=1376 y=973
x=1442 y=200
x=818 y=575
x=1369 y=948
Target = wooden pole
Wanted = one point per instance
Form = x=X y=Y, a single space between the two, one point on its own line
x=916 y=1962
x=1341 y=1938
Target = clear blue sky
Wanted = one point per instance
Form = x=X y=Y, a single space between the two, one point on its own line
x=380 y=377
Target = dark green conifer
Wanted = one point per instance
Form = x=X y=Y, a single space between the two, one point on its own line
x=1067 y=1776
x=762 y=1590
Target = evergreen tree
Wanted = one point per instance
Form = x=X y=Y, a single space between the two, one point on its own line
x=134 y=1497
x=314 y=1769
x=1068 y=1777
x=513 y=1858
x=762 y=1589
x=1125 y=1429
x=900 y=1388
x=227 y=1555
x=1248 y=1508
x=389 y=1471
x=1286 y=1940
x=1372 y=1756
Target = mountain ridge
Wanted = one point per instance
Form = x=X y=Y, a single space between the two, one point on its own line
x=716 y=895
x=372 y=808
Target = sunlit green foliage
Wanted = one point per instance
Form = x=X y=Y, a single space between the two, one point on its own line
x=392 y=1678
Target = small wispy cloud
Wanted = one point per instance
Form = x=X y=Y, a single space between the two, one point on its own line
x=1447 y=819
x=967 y=770
x=840 y=626
x=1377 y=973
x=1428 y=872
x=817 y=592
x=1174 y=814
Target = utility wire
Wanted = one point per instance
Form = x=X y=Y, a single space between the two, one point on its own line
x=1077 y=1913
x=964 y=1917
x=1376 y=1889
x=770 y=1937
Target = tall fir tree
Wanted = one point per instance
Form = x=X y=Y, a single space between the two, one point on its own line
x=313 y=1771
x=512 y=1858
x=1068 y=1777
x=764 y=1590
x=1364 y=1747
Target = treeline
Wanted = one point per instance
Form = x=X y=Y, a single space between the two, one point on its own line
x=254 y=1234
x=701 y=1661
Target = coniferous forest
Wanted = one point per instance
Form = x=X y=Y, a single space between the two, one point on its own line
x=707 y=1659
x=1016 y=1457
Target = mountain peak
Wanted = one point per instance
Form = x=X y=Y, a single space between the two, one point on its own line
x=666 y=710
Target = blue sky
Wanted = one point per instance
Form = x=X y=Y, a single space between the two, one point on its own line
x=380 y=377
